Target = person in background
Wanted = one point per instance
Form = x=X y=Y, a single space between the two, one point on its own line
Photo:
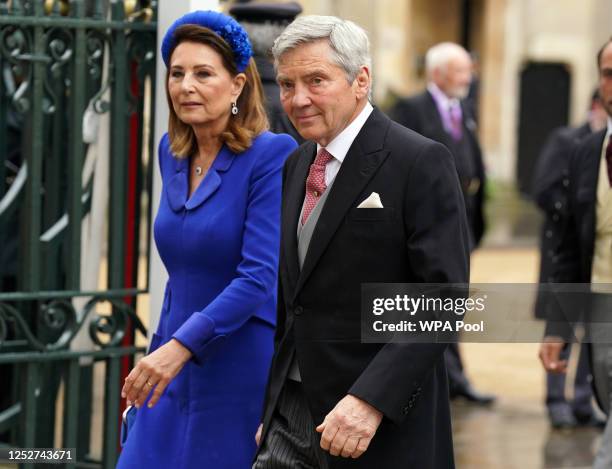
x=550 y=183
x=440 y=113
x=585 y=257
x=264 y=22
x=200 y=388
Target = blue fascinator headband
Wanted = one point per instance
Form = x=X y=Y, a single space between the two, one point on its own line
x=226 y=27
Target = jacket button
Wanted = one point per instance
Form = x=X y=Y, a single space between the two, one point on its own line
x=566 y=182
x=558 y=205
x=555 y=217
x=549 y=234
x=298 y=310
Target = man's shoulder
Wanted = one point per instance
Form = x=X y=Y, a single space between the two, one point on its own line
x=402 y=138
x=571 y=135
x=587 y=151
x=419 y=100
x=591 y=143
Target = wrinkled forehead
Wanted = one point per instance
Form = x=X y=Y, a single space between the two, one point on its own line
x=319 y=49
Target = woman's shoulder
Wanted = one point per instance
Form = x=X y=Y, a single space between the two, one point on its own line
x=270 y=148
x=269 y=139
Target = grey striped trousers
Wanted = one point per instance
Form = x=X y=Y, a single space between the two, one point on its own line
x=291 y=442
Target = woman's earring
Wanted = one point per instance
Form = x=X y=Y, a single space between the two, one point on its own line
x=234 y=109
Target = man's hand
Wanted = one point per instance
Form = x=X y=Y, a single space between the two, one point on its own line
x=155 y=371
x=258 y=434
x=348 y=429
x=550 y=351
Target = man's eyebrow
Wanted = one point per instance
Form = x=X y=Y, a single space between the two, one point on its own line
x=280 y=78
x=316 y=72
x=310 y=74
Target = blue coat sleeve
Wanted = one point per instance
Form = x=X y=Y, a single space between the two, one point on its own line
x=256 y=274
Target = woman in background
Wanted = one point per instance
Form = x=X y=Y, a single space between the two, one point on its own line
x=199 y=391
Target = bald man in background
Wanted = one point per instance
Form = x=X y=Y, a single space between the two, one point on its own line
x=441 y=114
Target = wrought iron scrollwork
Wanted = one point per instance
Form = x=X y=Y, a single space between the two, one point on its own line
x=15 y=44
x=97 y=42
x=64 y=322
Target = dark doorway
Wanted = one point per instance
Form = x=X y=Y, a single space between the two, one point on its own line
x=544 y=106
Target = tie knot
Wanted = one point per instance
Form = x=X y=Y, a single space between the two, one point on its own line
x=323 y=157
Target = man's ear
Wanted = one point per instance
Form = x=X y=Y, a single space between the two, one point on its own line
x=437 y=76
x=363 y=82
x=238 y=83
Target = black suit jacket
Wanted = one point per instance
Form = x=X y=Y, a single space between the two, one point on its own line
x=420 y=114
x=550 y=190
x=578 y=239
x=419 y=236
x=577 y=242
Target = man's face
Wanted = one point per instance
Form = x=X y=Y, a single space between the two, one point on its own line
x=605 y=79
x=598 y=117
x=454 y=79
x=316 y=94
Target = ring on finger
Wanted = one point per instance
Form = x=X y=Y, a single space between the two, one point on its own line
x=148 y=383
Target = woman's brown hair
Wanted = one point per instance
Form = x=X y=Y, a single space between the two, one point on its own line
x=251 y=119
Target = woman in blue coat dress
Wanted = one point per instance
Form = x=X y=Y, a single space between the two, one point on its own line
x=199 y=391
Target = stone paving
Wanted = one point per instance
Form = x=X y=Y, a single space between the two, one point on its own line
x=514 y=433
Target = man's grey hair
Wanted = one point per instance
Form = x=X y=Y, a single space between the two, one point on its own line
x=349 y=43
x=438 y=56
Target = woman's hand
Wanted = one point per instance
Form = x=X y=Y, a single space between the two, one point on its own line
x=155 y=371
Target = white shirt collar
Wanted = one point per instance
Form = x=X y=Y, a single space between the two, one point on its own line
x=340 y=145
x=609 y=125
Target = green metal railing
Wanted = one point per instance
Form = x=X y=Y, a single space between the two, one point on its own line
x=62 y=60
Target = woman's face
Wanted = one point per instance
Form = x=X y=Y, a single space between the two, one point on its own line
x=201 y=88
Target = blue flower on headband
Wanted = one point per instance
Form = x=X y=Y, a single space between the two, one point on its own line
x=223 y=25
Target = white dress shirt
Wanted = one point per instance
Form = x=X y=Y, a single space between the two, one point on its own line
x=340 y=145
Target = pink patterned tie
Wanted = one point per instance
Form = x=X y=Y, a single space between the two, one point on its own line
x=315 y=182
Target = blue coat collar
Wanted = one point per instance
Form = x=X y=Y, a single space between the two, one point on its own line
x=177 y=186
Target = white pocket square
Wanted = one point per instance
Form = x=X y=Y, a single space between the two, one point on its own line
x=373 y=201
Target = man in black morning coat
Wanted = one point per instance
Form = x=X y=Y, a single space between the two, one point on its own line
x=440 y=113
x=364 y=200
x=549 y=189
x=585 y=258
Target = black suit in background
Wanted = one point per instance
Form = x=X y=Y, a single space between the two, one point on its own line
x=550 y=192
x=575 y=263
x=420 y=235
x=420 y=113
x=279 y=122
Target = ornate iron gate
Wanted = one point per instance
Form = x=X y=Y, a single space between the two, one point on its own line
x=76 y=100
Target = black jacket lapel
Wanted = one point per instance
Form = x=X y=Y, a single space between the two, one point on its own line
x=294 y=192
x=587 y=187
x=434 y=117
x=364 y=157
